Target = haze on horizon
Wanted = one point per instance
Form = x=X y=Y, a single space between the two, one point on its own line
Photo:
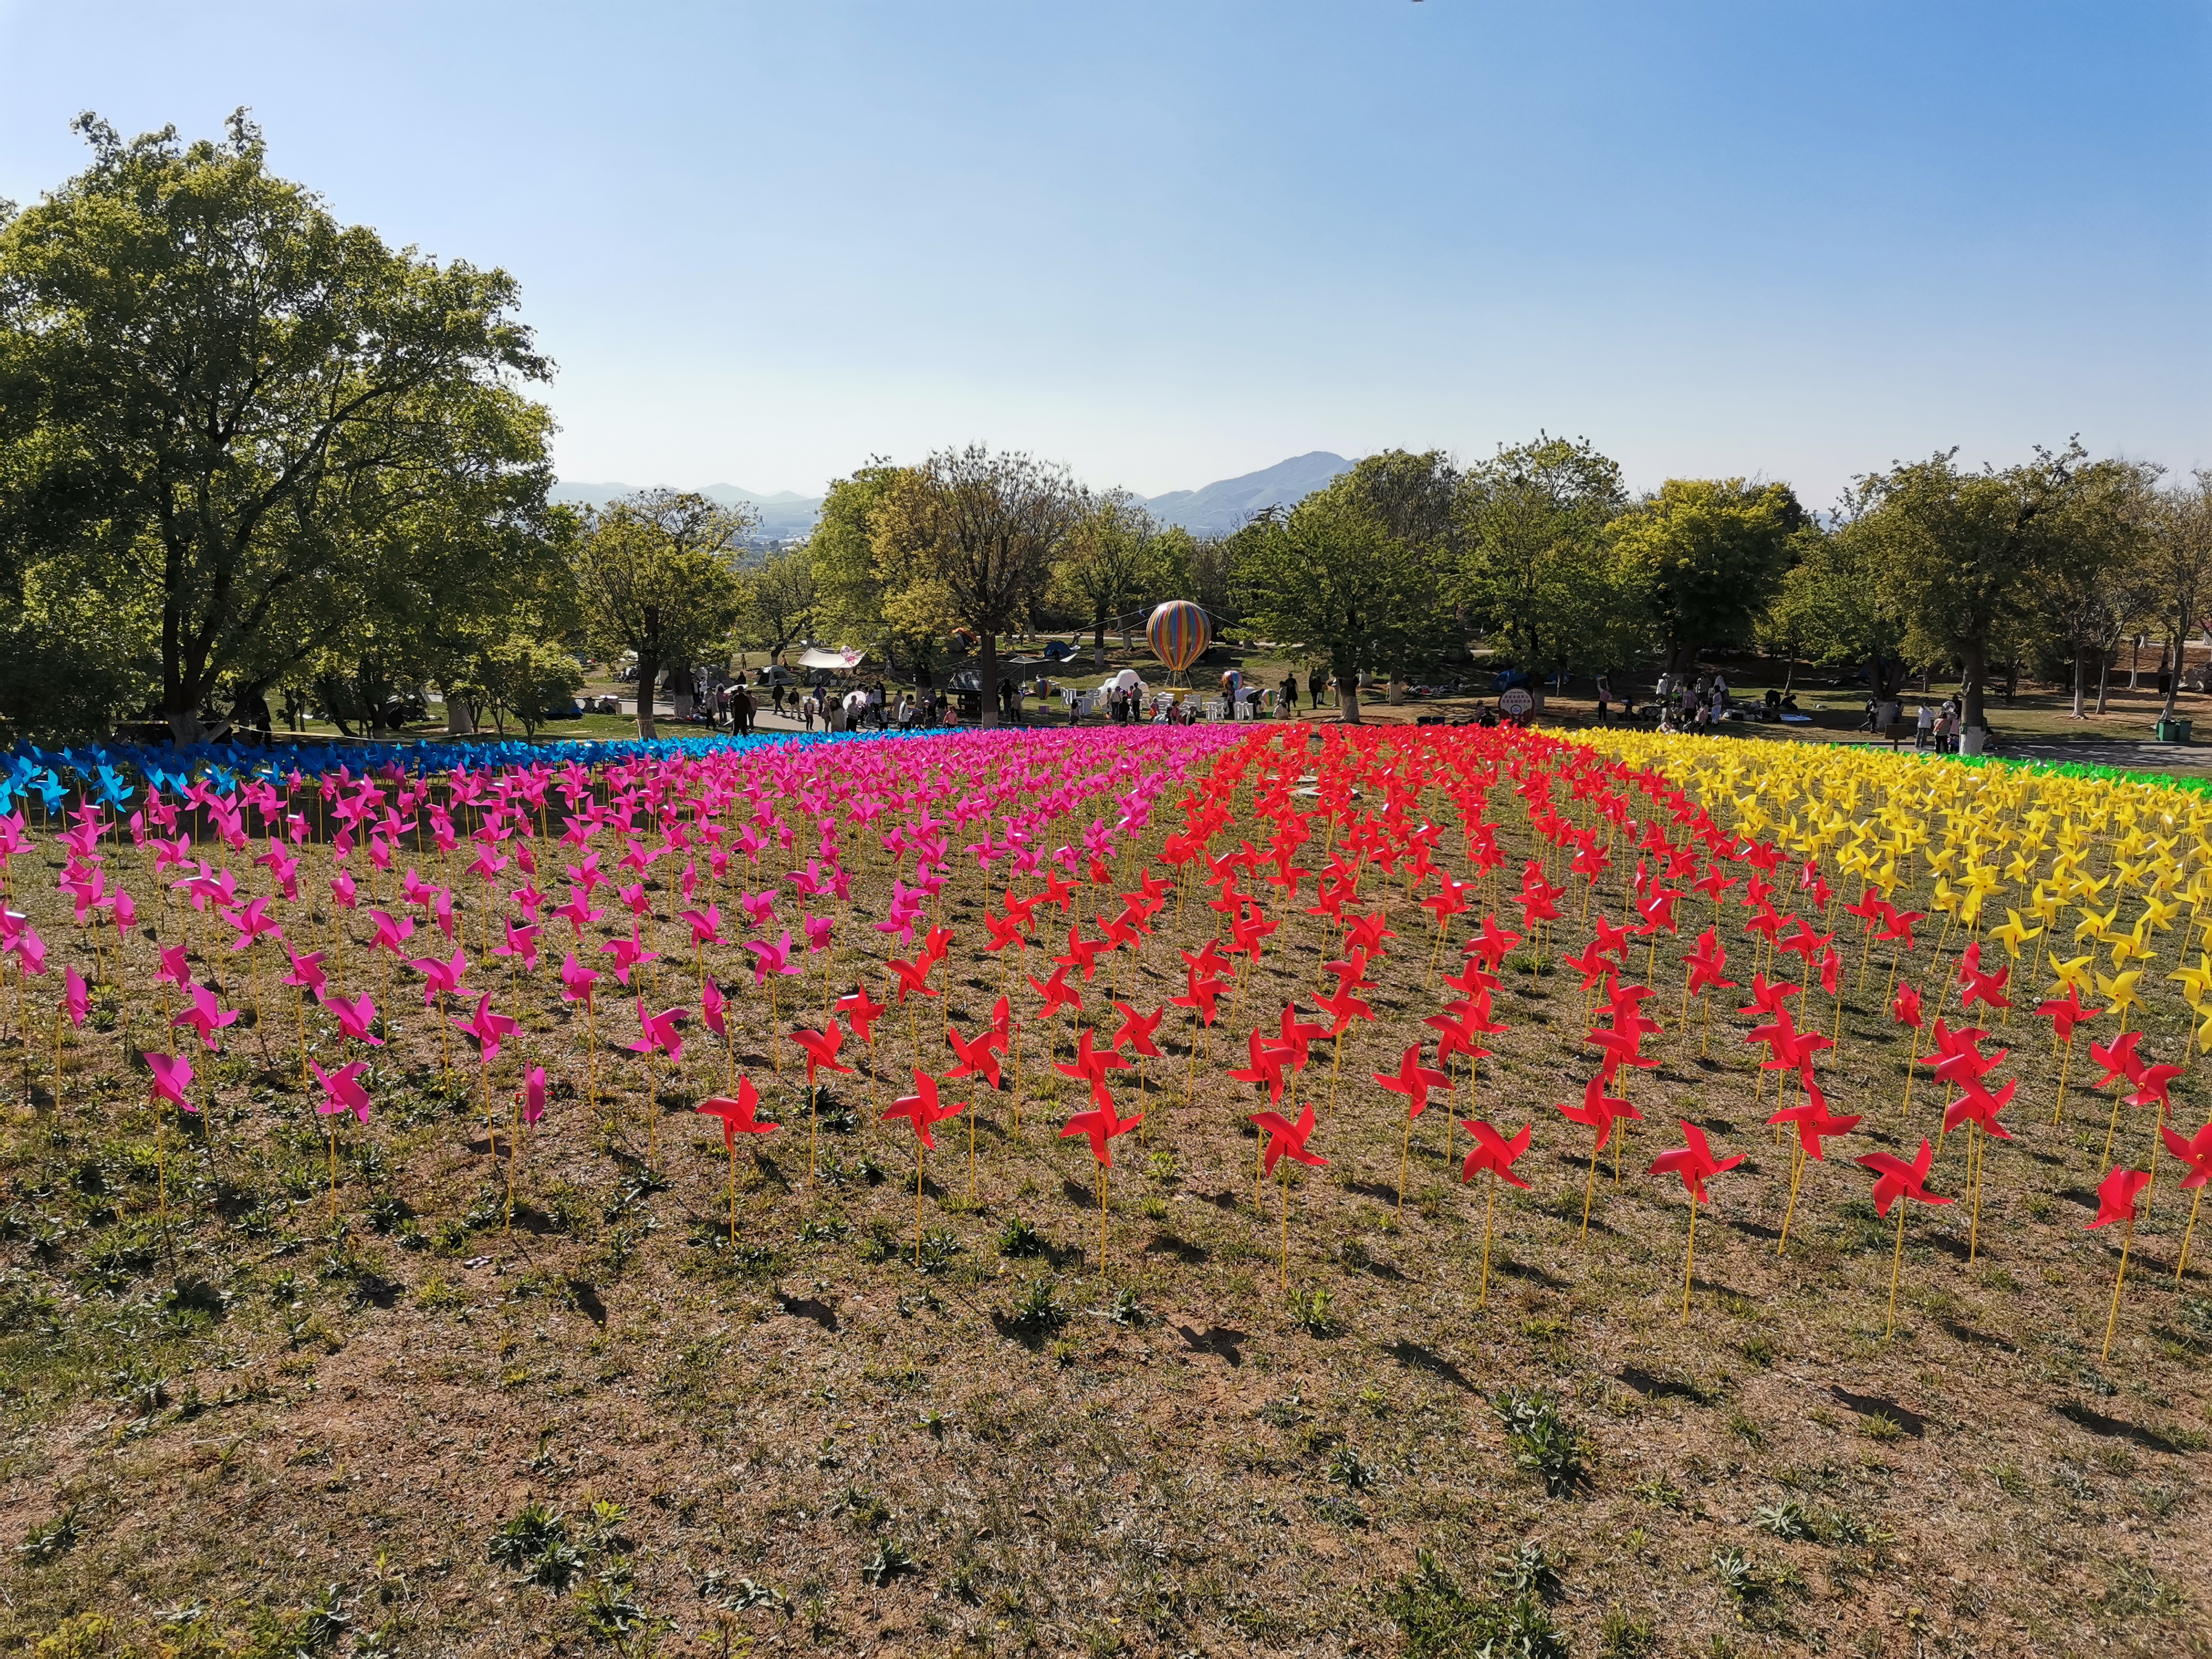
x=1171 y=244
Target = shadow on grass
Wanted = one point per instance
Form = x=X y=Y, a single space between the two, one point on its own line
x=1415 y=1358
x=1872 y=1406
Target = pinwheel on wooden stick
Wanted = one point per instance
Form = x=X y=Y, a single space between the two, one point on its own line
x=1896 y=1180
x=735 y=1110
x=1695 y=1164
x=1286 y=1139
x=1493 y=1152
x=2116 y=1202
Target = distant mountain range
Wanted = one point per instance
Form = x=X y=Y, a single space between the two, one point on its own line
x=1221 y=506
x=1214 y=510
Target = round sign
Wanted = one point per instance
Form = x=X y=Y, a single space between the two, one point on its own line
x=1515 y=702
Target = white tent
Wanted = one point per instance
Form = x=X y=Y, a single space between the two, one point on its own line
x=837 y=662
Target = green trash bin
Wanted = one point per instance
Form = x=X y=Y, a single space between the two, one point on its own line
x=2173 y=731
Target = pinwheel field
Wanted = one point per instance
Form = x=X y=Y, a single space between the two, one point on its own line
x=1223 y=1190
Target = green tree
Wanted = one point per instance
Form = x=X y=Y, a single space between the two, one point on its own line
x=1114 y=561
x=1534 y=573
x=657 y=574
x=1330 y=583
x=2180 y=562
x=841 y=554
x=1960 y=557
x=983 y=530
x=1823 y=613
x=227 y=401
x=783 y=601
x=1708 y=555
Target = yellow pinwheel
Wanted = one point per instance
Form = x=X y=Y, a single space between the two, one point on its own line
x=2046 y=903
x=2074 y=975
x=2095 y=926
x=2196 y=983
x=2014 y=933
x=2119 y=990
x=2160 y=913
x=2131 y=946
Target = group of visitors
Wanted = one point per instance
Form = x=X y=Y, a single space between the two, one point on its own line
x=1687 y=705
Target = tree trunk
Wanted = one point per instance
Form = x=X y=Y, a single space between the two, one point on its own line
x=2080 y=682
x=2104 y=675
x=1347 y=695
x=457 y=721
x=2180 y=647
x=185 y=726
x=2134 y=664
x=1098 y=638
x=648 y=675
x=1976 y=658
x=987 y=682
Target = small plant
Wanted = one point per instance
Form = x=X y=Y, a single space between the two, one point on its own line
x=939 y=1246
x=1541 y=1440
x=1163 y=1166
x=1881 y=1425
x=1745 y=1428
x=56 y=1537
x=890 y=1560
x=611 y=1613
x=1528 y=1572
x=1621 y=1637
x=535 y=1541
x=1310 y=1311
x=1038 y=1307
x=1018 y=1238
x=1441 y=1620
x=1787 y=1520
x=322 y=1620
x=866 y=1509
x=1735 y=1569
x=1346 y=1469
x=1125 y=1310
x=1658 y=1490
x=931 y=1423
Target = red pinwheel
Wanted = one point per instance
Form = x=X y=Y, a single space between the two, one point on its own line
x=1286 y=1139
x=923 y=1113
x=2116 y=1202
x=1978 y=985
x=978 y=1057
x=1695 y=1164
x=1264 y=1065
x=1413 y=1080
x=736 y=1113
x=821 y=1050
x=1091 y=1064
x=2120 y=1061
x=1058 y=993
x=1813 y=1126
x=1492 y=1152
x=2194 y=1152
x=861 y=1012
x=2066 y=1015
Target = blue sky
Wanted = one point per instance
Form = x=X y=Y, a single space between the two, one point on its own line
x=1171 y=242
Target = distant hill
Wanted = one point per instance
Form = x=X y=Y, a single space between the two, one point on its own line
x=1221 y=506
x=1214 y=510
x=783 y=516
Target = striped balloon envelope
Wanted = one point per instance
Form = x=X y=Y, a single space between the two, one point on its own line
x=1178 y=633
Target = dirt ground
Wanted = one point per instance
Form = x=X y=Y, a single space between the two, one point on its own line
x=246 y=1418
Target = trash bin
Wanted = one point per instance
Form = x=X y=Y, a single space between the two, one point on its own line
x=2173 y=730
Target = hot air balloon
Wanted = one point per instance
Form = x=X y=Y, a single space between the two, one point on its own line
x=1178 y=633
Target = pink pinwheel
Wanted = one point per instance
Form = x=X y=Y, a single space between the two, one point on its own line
x=818 y=929
x=578 y=914
x=76 y=996
x=354 y=1016
x=521 y=944
x=390 y=934
x=1695 y=1164
x=772 y=958
x=706 y=925
x=342 y=1090
x=657 y=1033
x=172 y=1080
x=307 y=971
x=489 y=1030
x=174 y=970
x=441 y=978
x=576 y=980
x=253 y=922
x=534 y=1094
x=628 y=954
x=207 y=1016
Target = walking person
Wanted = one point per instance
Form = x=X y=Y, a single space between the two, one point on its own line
x=1604 y=696
x=1317 y=682
x=1924 y=727
x=1291 y=690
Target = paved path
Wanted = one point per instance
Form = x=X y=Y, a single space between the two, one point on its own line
x=2134 y=757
